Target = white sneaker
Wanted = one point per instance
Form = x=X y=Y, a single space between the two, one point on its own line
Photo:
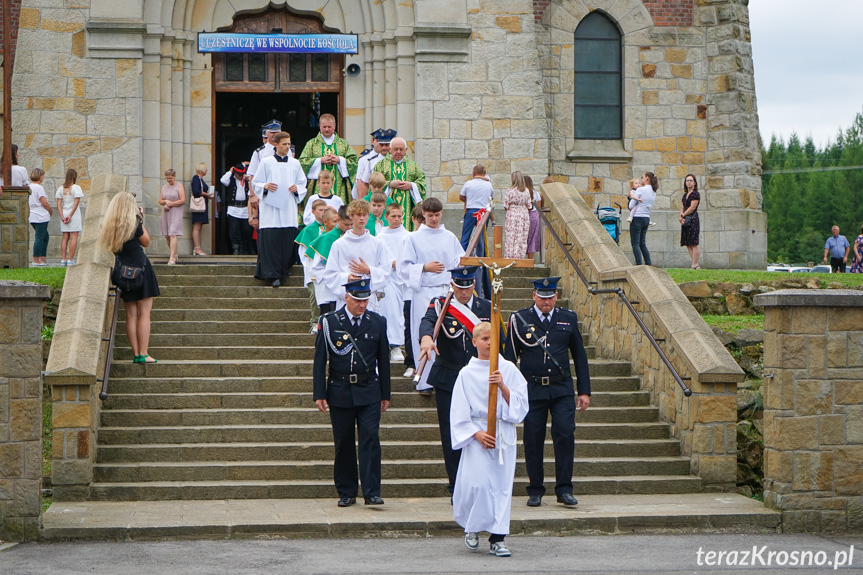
x=500 y=549
x=652 y=224
x=396 y=354
x=409 y=372
x=629 y=219
x=71 y=262
x=314 y=329
x=63 y=262
x=471 y=541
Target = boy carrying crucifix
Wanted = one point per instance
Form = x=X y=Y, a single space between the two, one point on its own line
x=482 y=500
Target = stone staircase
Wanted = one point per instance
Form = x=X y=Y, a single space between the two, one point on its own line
x=227 y=413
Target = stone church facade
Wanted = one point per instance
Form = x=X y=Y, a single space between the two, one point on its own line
x=591 y=92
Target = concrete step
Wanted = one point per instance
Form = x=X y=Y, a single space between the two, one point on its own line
x=202 y=267
x=230 y=315
x=316 y=489
x=282 y=368
x=323 y=451
x=301 y=348
x=224 y=280
x=297 y=335
x=252 y=400
x=136 y=519
x=390 y=469
x=323 y=432
x=137 y=385
x=305 y=415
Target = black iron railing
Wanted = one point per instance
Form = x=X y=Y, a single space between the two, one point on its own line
x=113 y=292
x=620 y=293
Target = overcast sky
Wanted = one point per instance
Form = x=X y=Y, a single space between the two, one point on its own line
x=808 y=66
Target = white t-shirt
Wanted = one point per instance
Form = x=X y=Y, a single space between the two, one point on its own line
x=537 y=197
x=38 y=213
x=478 y=192
x=20 y=177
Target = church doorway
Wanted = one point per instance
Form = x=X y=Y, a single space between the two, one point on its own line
x=252 y=89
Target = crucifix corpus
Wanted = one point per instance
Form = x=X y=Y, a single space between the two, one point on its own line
x=495 y=264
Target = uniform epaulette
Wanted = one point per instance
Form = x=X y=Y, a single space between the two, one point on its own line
x=259 y=149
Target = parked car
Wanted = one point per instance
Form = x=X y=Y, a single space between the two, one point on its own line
x=775 y=267
x=821 y=269
x=799 y=270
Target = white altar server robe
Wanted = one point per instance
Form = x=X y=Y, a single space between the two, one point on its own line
x=392 y=306
x=353 y=247
x=482 y=499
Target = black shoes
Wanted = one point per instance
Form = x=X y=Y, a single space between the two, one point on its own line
x=534 y=501
x=374 y=500
x=567 y=499
x=277 y=283
x=347 y=501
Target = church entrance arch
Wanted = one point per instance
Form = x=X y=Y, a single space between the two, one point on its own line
x=250 y=89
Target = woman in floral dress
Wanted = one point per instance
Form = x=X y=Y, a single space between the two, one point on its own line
x=516 y=202
x=857 y=251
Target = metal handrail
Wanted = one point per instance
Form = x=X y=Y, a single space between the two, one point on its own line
x=103 y=394
x=619 y=292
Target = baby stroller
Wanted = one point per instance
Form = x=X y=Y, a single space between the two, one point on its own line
x=610 y=220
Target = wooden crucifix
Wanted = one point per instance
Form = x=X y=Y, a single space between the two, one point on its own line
x=495 y=264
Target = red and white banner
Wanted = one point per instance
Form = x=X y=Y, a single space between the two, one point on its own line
x=463 y=314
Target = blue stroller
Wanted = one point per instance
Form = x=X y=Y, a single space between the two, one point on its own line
x=610 y=220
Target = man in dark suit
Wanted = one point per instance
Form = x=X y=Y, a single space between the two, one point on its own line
x=544 y=336
x=356 y=389
x=453 y=350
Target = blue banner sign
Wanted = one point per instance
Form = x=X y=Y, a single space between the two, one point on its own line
x=278 y=43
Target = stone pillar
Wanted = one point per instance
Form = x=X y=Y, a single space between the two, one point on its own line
x=813 y=408
x=21 y=409
x=14 y=234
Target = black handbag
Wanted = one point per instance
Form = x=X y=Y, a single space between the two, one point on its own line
x=687 y=220
x=127 y=278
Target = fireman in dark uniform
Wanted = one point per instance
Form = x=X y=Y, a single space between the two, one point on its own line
x=356 y=389
x=543 y=337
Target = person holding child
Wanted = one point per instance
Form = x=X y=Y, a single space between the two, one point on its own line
x=68 y=198
x=482 y=500
x=640 y=203
x=40 y=215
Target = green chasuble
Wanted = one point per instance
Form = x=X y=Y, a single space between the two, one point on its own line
x=370 y=225
x=322 y=244
x=317 y=148
x=309 y=234
x=406 y=171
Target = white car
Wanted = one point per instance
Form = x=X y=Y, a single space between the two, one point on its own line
x=821 y=269
x=777 y=267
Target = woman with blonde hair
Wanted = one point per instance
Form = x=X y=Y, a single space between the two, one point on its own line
x=68 y=198
x=200 y=189
x=172 y=198
x=123 y=234
x=517 y=202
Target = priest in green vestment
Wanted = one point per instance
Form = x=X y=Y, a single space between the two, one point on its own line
x=327 y=151
x=406 y=182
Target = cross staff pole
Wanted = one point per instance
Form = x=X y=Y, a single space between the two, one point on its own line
x=493 y=265
x=480 y=227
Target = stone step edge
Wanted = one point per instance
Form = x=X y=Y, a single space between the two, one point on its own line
x=320 y=518
x=418 y=443
x=294 y=462
x=327 y=426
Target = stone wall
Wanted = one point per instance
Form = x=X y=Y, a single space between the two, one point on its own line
x=689 y=107
x=813 y=408
x=77 y=356
x=21 y=409
x=14 y=230
x=706 y=422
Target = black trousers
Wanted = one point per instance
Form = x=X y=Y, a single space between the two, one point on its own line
x=450 y=457
x=367 y=419
x=562 y=410
x=327 y=307
x=837 y=265
x=240 y=233
x=409 y=349
x=275 y=253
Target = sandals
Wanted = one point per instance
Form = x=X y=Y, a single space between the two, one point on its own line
x=144 y=359
x=172 y=262
x=695 y=267
x=199 y=252
x=138 y=359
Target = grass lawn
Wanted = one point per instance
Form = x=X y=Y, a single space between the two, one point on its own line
x=734 y=323
x=52 y=277
x=681 y=275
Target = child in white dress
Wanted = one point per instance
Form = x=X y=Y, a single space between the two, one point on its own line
x=68 y=198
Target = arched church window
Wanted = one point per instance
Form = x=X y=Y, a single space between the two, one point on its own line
x=598 y=79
